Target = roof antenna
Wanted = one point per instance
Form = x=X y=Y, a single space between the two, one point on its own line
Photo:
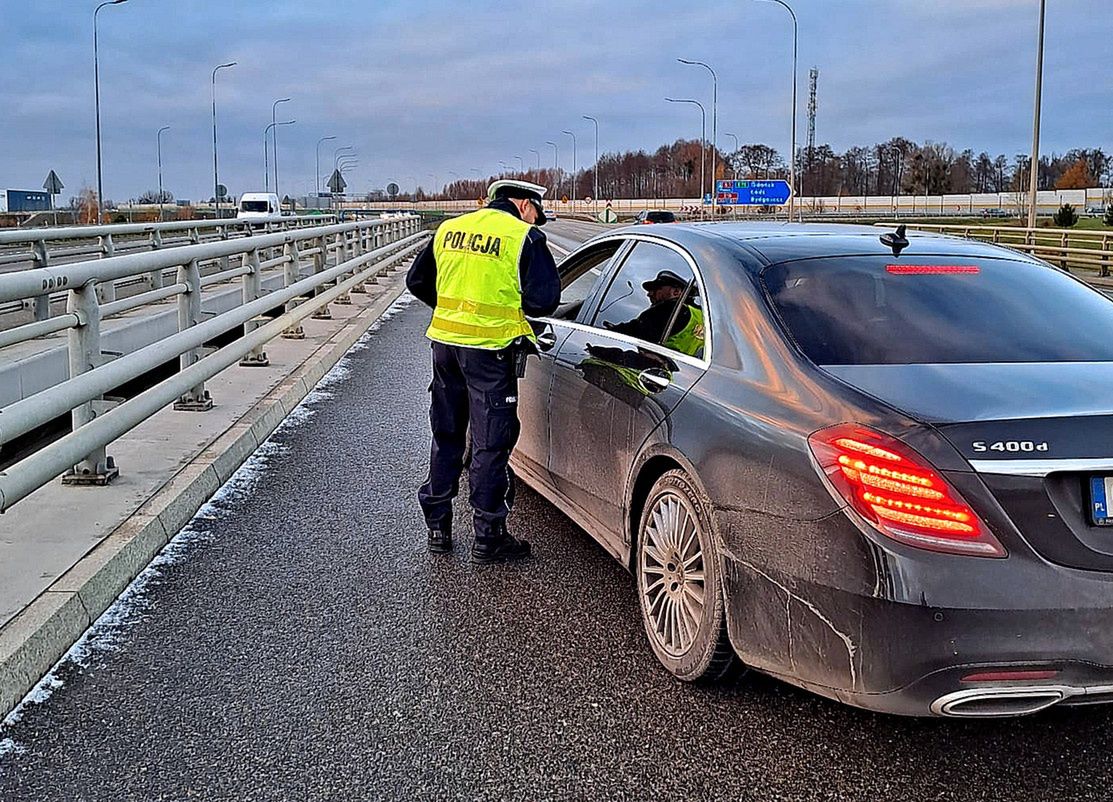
x=898 y=242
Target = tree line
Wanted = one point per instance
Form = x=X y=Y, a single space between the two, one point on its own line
x=896 y=167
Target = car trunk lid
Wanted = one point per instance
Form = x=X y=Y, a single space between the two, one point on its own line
x=1038 y=434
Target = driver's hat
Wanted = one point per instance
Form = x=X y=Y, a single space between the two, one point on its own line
x=666 y=278
x=512 y=188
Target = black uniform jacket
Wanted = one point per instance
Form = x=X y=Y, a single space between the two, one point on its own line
x=537 y=271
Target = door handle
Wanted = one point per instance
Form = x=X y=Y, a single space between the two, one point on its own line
x=653 y=382
x=546 y=339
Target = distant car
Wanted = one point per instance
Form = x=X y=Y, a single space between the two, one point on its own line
x=257 y=205
x=550 y=214
x=1095 y=211
x=995 y=213
x=647 y=216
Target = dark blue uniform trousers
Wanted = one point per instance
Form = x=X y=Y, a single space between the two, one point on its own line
x=478 y=389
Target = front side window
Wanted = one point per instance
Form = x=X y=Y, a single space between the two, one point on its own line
x=580 y=274
x=870 y=310
x=655 y=298
x=255 y=206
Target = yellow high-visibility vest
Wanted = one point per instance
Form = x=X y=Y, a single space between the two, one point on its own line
x=479 y=293
x=689 y=340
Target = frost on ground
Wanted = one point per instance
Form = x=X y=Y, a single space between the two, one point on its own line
x=108 y=633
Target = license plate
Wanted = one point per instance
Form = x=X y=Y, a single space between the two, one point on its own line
x=1101 y=500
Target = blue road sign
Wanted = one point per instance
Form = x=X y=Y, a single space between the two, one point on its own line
x=752 y=193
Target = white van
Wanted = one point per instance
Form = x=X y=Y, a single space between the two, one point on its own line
x=257 y=205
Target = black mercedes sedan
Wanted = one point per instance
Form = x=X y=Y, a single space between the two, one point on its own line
x=878 y=466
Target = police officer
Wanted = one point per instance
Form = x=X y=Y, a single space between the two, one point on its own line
x=482 y=274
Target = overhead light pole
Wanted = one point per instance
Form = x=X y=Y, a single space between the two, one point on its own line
x=714 y=124
x=336 y=154
x=96 y=92
x=158 y=148
x=556 y=165
x=1033 y=178
x=702 y=140
x=792 y=155
x=216 y=175
x=733 y=171
x=274 y=140
x=573 y=168
x=537 y=153
x=266 y=168
x=596 y=196
x=521 y=165
x=456 y=184
x=319 y=142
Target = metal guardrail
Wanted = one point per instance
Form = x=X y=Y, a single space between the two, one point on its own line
x=42 y=247
x=1069 y=248
x=361 y=251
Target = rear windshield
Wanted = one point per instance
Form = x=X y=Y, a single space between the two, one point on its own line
x=858 y=310
x=255 y=206
x=662 y=217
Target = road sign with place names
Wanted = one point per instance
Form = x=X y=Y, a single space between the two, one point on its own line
x=735 y=192
x=53 y=184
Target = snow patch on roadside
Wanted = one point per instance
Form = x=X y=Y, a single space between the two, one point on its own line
x=108 y=632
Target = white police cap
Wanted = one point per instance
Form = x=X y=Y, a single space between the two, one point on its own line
x=517 y=189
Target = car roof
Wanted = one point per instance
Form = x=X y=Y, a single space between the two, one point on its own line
x=774 y=242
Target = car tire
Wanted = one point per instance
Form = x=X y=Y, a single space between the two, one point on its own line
x=679 y=585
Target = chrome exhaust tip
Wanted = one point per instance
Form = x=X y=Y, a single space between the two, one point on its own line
x=1000 y=702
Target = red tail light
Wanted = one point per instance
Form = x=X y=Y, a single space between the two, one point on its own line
x=899 y=493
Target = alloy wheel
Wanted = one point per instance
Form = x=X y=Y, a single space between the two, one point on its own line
x=673 y=583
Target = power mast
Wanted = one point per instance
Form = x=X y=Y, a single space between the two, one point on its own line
x=813 y=79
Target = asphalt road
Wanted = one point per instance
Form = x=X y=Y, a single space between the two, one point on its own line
x=300 y=644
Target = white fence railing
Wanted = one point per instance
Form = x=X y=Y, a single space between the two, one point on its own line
x=43 y=247
x=359 y=251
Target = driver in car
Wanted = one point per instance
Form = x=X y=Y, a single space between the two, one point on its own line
x=665 y=291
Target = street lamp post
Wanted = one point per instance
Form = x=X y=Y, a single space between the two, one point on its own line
x=158 y=147
x=556 y=165
x=703 y=139
x=1033 y=180
x=266 y=168
x=96 y=92
x=216 y=176
x=537 y=153
x=733 y=171
x=714 y=124
x=589 y=117
x=319 y=141
x=342 y=150
x=455 y=184
x=792 y=155
x=573 y=168
x=521 y=165
x=274 y=140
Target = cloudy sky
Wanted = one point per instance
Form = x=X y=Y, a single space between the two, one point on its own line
x=424 y=87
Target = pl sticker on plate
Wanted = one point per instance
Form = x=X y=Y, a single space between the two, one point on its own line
x=1101 y=496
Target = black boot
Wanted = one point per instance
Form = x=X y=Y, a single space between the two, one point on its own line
x=504 y=547
x=440 y=540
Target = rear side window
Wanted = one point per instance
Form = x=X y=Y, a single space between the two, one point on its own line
x=858 y=310
x=662 y=217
